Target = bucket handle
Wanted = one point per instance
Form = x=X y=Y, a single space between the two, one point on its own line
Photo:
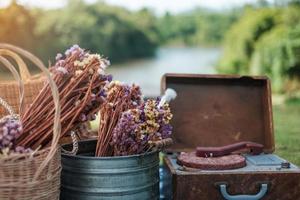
x=55 y=94
x=74 y=143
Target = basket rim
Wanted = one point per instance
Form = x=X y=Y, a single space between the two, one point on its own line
x=23 y=156
x=39 y=77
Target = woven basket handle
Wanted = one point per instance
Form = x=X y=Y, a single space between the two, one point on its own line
x=55 y=94
x=7 y=107
x=24 y=72
x=15 y=73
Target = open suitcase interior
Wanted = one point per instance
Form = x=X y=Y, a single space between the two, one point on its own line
x=215 y=111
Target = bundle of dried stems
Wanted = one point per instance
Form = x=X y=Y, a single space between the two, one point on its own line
x=81 y=80
x=120 y=97
x=142 y=129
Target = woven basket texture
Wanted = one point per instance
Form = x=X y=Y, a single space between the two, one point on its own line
x=17 y=172
x=34 y=175
x=9 y=90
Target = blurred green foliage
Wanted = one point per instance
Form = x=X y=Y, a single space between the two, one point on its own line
x=197 y=27
x=265 y=41
x=260 y=39
x=287 y=130
x=113 y=31
x=99 y=28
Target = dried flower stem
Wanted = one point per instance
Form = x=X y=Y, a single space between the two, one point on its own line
x=80 y=80
x=120 y=97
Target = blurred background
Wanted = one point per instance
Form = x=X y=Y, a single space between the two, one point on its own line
x=144 y=39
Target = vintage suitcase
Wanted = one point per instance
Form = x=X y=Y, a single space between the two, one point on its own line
x=217 y=110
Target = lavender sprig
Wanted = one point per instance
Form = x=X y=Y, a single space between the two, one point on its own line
x=120 y=98
x=10 y=130
x=139 y=128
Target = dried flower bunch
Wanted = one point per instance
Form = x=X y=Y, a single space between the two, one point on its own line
x=120 y=98
x=10 y=130
x=139 y=128
x=81 y=80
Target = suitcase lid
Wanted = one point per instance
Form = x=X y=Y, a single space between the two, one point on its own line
x=217 y=110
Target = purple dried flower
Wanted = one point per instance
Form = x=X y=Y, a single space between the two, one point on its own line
x=20 y=149
x=83 y=117
x=102 y=93
x=67 y=52
x=109 y=77
x=137 y=127
x=62 y=70
x=58 y=56
x=60 y=63
x=74 y=49
x=10 y=130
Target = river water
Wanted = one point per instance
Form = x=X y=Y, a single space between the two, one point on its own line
x=148 y=72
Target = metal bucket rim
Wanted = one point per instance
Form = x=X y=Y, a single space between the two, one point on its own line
x=103 y=158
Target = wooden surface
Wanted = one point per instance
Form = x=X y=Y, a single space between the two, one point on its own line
x=195 y=186
x=217 y=110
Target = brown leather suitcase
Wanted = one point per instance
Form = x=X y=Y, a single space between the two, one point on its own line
x=217 y=110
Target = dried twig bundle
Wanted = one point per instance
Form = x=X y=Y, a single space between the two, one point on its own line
x=81 y=80
x=138 y=130
x=120 y=97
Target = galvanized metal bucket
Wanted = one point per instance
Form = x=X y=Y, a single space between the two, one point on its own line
x=86 y=177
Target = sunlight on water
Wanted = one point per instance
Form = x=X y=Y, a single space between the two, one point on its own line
x=148 y=72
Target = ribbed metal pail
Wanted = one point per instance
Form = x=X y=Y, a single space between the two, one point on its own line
x=86 y=177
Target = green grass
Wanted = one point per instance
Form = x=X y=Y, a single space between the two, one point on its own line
x=287 y=130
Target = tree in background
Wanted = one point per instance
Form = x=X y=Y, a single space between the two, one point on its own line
x=110 y=30
x=241 y=38
x=114 y=31
x=17 y=26
x=98 y=27
x=196 y=27
x=265 y=41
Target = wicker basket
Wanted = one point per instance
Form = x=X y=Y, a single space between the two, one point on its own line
x=9 y=89
x=32 y=175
